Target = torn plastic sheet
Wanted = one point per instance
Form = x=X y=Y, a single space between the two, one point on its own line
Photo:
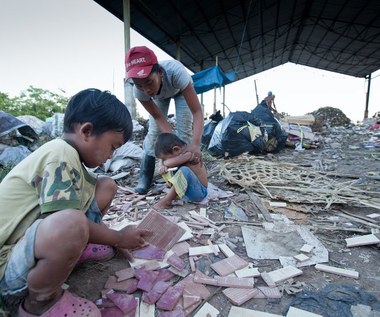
x=9 y=123
x=334 y=300
x=282 y=240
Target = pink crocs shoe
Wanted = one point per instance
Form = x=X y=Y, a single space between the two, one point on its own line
x=69 y=306
x=96 y=252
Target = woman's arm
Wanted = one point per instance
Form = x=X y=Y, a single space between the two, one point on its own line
x=196 y=109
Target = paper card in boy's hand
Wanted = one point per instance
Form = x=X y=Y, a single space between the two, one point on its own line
x=165 y=233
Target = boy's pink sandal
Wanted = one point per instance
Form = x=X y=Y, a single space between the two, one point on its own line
x=96 y=252
x=69 y=306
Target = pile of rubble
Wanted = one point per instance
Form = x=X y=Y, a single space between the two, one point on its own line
x=262 y=253
x=329 y=117
x=194 y=257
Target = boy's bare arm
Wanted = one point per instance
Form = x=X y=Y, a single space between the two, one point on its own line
x=178 y=160
x=127 y=238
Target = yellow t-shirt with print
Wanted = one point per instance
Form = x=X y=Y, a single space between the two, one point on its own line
x=50 y=179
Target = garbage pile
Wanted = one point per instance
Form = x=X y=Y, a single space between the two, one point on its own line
x=305 y=132
x=20 y=136
x=329 y=117
x=300 y=132
x=16 y=139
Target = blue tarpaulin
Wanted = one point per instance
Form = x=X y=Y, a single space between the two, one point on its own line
x=211 y=78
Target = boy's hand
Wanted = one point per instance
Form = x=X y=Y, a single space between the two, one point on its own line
x=132 y=238
x=163 y=169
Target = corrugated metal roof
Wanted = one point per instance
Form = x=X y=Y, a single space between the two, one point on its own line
x=252 y=36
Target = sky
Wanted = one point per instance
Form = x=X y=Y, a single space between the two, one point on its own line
x=66 y=46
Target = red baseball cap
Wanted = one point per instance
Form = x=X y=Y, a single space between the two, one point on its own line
x=139 y=62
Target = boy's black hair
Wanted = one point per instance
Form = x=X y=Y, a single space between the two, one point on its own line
x=102 y=109
x=165 y=143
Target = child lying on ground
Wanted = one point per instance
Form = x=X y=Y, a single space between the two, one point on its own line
x=189 y=181
x=52 y=208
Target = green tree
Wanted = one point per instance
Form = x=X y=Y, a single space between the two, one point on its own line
x=37 y=102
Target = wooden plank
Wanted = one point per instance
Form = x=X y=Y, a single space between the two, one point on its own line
x=268 y=292
x=239 y=296
x=216 y=251
x=284 y=273
x=189 y=300
x=235 y=282
x=301 y=257
x=296 y=312
x=336 y=270
x=203 y=250
x=244 y=312
x=202 y=278
x=367 y=239
x=203 y=212
x=181 y=248
x=306 y=248
x=277 y=204
x=201 y=219
x=192 y=264
x=258 y=203
x=229 y=265
x=193 y=288
x=226 y=250
x=268 y=279
x=188 y=233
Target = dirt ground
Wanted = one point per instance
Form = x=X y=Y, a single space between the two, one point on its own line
x=343 y=155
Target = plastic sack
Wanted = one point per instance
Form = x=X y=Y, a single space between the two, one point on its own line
x=34 y=122
x=276 y=135
x=209 y=129
x=13 y=155
x=55 y=125
x=125 y=156
x=9 y=123
x=238 y=133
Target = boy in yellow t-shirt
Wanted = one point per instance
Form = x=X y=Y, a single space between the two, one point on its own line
x=52 y=208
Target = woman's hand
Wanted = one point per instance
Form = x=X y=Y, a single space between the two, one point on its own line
x=197 y=154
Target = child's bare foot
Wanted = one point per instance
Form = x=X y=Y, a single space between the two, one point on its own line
x=161 y=205
x=39 y=307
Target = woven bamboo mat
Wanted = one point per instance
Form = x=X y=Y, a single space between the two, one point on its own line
x=289 y=182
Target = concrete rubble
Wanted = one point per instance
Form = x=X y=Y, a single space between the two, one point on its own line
x=251 y=249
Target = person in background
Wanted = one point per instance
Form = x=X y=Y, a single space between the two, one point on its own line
x=53 y=206
x=269 y=100
x=189 y=181
x=155 y=85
